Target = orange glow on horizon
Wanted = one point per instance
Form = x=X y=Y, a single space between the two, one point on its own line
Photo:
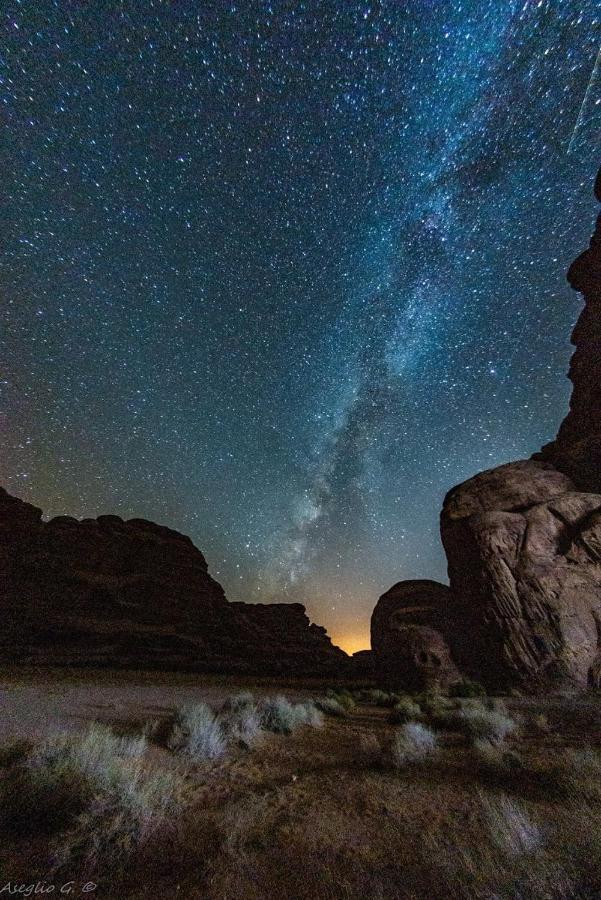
x=350 y=643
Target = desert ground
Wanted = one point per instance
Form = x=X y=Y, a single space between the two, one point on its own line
x=341 y=793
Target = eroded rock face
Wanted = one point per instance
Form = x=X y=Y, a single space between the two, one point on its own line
x=523 y=541
x=525 y=569
x=407 y=642
x=131 y=593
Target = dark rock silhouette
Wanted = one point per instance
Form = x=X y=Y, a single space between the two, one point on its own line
x=407 y=628
x=363 y=664
x=577 y=448
x=108 y=592
x=523 y=543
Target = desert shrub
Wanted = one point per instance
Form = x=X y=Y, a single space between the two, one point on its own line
x=197 y=733
x=480 y=723
x=121 y=817
x=377 y=697
x=413 y=743
x=241 y=725
x=433 y=705
x=343 y=697
x=496 y=758
x=467 y=688
x=308 y=714
x=237 y=702
x=91 y=788
x=405 y=710
x=330 y=706
x=281 y=716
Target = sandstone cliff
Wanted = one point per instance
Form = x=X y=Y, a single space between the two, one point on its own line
x=109 y=592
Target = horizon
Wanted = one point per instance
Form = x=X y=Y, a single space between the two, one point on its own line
x=279 y=282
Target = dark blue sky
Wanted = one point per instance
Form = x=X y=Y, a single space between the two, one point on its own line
x=281 y=274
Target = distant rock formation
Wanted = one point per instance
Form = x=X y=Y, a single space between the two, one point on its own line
x=407 y=628
x=108 y=592
x=523 y=543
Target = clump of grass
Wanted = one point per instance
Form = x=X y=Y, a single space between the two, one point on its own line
x=237 y=702
x=123 y=816
x=197 y=733
x=308 y=714
x=413 y=743
x=480 y=723
x=467 y=688
x=405 y=710
x=94 y=791
x=331 y=707
x=282 y=717
x=343 y=697
x=242 y=725
x=496 y=758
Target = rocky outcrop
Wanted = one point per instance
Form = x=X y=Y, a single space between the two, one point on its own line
x=577 y=448
x=407 y=628
x=109 y=592
x=523 y=541
x=524 y=551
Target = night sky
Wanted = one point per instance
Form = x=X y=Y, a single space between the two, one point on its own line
x=280 y=274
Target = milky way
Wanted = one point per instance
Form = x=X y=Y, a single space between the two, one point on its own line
x=281 y=274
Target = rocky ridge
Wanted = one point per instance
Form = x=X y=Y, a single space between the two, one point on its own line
x=109 y=592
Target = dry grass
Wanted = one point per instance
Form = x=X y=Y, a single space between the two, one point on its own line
x=314 y=813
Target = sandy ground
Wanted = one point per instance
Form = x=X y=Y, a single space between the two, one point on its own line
x=34 y=702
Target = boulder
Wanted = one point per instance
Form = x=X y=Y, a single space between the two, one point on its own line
x=109 y=592
x=407 y=636
x=525 y=571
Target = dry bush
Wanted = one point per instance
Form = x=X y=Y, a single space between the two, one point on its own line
x=413 y=743
x=405 y=710
x=330 y=706
x=478 y=722
x=281 y=716
x=93 y=792
x=197 y=733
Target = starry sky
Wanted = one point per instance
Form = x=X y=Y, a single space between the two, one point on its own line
x=279 y=274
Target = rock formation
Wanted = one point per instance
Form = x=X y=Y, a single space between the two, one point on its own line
x=577 y=447
x=108 y=592
x=407 y=640
x=523 y=543
x=525 y=569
